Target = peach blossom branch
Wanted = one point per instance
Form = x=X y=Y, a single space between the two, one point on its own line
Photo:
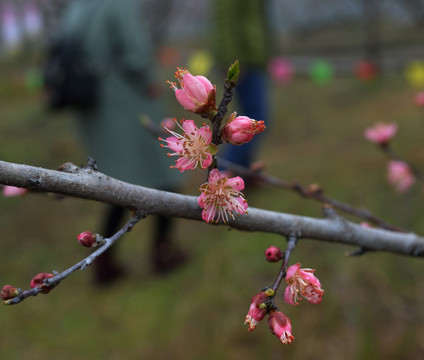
x=81 y=265
x=91 y=184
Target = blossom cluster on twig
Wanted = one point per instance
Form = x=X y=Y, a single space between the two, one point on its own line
x=196 y=148
x=221 y=197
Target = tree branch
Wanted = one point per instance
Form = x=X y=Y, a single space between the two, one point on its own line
x=82 y=265
x=90 y=184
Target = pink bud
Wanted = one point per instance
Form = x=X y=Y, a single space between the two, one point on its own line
x=241 y=129
x=87 y=239
x=9 y=191
x=273 y=254
x=9 y=292
x=38 y=282
x=381 y=133
x=197 y=94
x=419 y=99
x=302 y=282
x=258 y=308
x=280 y=326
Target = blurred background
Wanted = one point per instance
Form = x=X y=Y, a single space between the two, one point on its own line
x=334 y=68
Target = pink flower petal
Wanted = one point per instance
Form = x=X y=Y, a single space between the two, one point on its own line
x=236 y=182
x=205 y=82
x=194 y=88
x=185 y=101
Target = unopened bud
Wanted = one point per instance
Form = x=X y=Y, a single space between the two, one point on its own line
x=38 y=282
x=9 y=292
x=273 y=254
x=241 y=129
x=87 y=239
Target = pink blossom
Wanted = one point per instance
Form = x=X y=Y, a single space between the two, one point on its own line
x=381 y=133
x=281 y=70
x=280 y=326
x=400 y=175
x=9 y=191
x=221 y=197
x=193 y=147
x=197 y=94
x=273 y=254
x=257 y=310
x=241 y=129
x=302 y=282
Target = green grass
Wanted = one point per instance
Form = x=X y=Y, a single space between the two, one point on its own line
x=372 y=307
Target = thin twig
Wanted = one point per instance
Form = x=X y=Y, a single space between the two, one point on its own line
x=291 y=244
x=82 y=265
x=311 y=192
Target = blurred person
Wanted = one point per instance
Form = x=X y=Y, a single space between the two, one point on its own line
x=116 y=42
x=241 y=32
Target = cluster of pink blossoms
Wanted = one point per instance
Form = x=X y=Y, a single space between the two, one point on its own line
x=300 y=282
x=221 y=197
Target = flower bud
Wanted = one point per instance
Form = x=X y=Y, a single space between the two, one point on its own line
x=280 y=326
x=38 y=282
x=9 y=292
x=87 y=239
x=241 y=129
x=273 y=254
x=196 y=93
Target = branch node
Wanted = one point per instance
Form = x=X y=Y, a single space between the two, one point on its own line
x=329 y=212
x=357 y=252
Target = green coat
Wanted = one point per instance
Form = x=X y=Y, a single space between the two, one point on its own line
x=124 y=57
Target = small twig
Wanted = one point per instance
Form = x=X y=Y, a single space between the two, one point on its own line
x=311 y=192
x=82 y=265
x=291 y=244
x=229 y=90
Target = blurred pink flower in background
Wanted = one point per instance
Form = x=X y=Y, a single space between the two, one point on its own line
x=400 y=175
x=169 y=123
x=281 y=70
x=419 y=99
x=10 y=191
x=381 y=133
